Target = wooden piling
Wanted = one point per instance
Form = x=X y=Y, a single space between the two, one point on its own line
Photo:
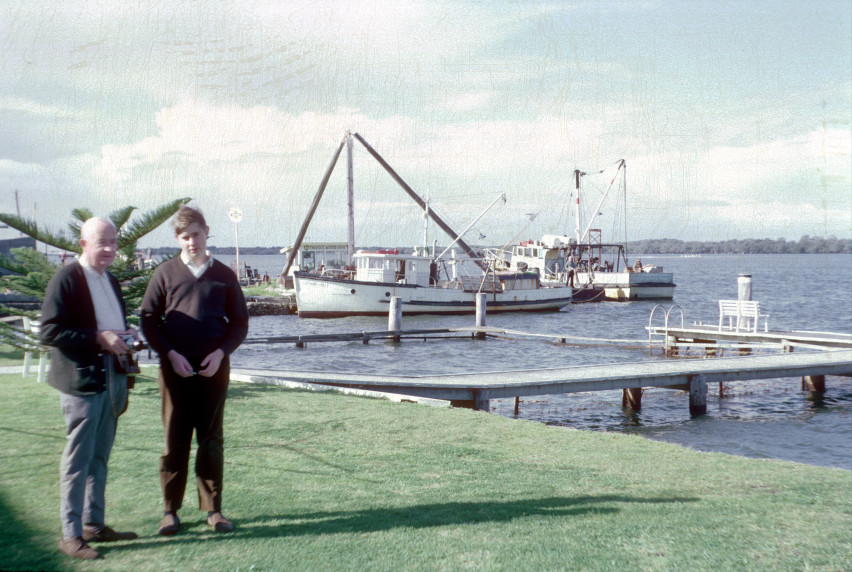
x=697 y=395
x=631 y=398
x=480 y=313
x=481 y=401
x=671 y=346
x=395 y=318
x=709 y=349
x=814 y=383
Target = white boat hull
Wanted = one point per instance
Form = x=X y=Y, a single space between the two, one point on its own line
x=326 y=297
x=630 y=285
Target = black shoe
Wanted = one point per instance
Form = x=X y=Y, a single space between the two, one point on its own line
x=106 y=534
x=169 y=525
x=77 y=548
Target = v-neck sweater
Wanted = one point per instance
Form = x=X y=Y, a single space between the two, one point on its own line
x=193 y=316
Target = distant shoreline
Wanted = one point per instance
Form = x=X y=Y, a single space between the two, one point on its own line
x=805 y=245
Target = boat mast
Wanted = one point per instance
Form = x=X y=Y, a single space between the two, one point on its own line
x=624 y=186
x=603 y=198
x=426 y=227
x=350 y=243
x=577 y=174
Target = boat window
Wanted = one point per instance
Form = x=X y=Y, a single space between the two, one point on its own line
x=375 y=263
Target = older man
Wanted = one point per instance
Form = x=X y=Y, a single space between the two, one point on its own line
x=83 y=319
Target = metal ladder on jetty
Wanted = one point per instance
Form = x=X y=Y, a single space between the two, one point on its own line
x=665 y=331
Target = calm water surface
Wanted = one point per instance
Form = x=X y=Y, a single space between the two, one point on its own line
x=765 y=419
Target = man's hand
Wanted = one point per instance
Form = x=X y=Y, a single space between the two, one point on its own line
x=211 y=363
x=180 y=364
x=110 y=340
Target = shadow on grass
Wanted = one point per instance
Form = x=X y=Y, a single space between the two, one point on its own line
x=416 y=516
x=147 y=386
x=240 y=390
x=22 y=548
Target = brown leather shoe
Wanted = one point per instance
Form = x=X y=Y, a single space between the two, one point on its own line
x=106 y=534
x=169 y=525
x=220 y=523
x=77 y=548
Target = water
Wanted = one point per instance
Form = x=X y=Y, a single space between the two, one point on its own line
x=765 y=419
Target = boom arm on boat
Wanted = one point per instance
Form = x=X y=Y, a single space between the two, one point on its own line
x=311 y=211
x=502 y=196
x=422 y=204
x=446 y=228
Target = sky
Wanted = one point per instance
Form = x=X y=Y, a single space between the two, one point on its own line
x=734 y=119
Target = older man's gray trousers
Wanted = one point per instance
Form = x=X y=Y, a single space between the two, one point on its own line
x=90 y=431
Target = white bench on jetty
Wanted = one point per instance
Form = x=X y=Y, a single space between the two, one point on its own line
x=745 y=312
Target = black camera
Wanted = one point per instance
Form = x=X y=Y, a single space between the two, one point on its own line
x=127 y=363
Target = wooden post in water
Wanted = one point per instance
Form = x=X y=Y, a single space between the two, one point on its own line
x=744 y=287
x=480 y=313
x=744 y=294
x=814 y=383
x=697 y=395
x=671 y=346
x=709 y=349
x=631 y=398
x=481 y=401
x=395 y=317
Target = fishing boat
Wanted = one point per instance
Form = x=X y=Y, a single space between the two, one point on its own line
x=586 y=261
x=422 y=286
x=425 y=284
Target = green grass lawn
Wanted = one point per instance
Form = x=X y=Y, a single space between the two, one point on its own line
x=269 y=289
x=10 y=355
x=323 y=481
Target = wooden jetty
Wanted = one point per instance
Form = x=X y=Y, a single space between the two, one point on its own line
x=699 y=334
x=476 y=389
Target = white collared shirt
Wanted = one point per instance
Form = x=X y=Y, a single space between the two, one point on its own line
x=107 y=306
x=197 y=271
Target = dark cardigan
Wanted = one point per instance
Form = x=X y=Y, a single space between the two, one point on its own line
x=69 y=326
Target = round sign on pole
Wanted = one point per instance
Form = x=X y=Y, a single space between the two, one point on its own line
x=236 y=214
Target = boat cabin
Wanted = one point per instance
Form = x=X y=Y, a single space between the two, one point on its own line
x=318 y=256
x=553 y=255
x=392 y=266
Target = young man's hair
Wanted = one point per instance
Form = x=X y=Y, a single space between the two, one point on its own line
x=185 y=217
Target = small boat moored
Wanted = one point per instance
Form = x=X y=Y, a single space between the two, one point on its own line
x=585 y=261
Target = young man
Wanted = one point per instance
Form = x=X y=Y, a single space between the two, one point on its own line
x=194 y=316
x=83 y=319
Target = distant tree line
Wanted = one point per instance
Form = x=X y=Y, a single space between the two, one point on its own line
x=805 y=245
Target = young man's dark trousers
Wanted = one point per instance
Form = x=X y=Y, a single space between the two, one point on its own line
x=193 y=404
